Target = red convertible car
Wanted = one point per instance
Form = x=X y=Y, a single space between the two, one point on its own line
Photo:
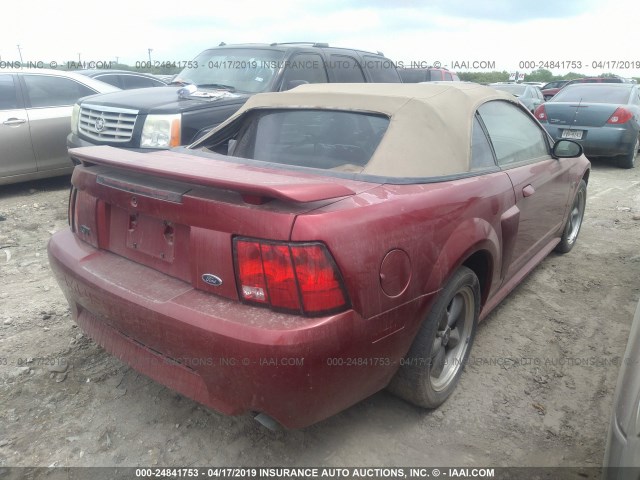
x=320 y=245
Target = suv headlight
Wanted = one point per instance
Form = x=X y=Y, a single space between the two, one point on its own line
x=75 y=114
x=161 y=131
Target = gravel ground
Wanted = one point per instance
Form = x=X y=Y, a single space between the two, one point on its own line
x=537 y=392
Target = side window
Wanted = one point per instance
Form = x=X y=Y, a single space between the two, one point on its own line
x=436 y=75
x=448 y=77
x=304 y=68
x=134 y=81
x=412 y=75
x=50 y=91
x=481 y=153
x=110 y=79
x=8 y=94
x=514 y=135
x=382 y=70
x=346 y=69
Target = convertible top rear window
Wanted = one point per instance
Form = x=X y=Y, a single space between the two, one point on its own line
x=324 y=139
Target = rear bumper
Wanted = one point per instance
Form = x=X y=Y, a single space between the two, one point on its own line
x=599 y=141
x=229 y=356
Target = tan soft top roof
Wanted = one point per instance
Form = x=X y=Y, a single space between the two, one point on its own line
x=430 y=125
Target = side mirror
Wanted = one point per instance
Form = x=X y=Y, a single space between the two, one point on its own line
x=566 y=149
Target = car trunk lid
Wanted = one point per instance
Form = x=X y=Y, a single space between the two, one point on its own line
x=576 y=114
x=179 y=213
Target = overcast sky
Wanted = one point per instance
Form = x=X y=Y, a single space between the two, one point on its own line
x=501 y=31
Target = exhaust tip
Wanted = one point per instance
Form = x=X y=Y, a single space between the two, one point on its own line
x=268 y=422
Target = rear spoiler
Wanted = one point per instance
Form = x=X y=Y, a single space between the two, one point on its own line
x=212 y=172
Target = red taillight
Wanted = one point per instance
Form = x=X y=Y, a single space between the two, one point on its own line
x=293 y=277
x=621 y=115
x=540 y=113
x=250 y=272
x=318 y=278
x=281 y=282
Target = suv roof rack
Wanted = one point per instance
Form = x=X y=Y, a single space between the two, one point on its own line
x=293 y=44
x=313 y=44
x=422 y=68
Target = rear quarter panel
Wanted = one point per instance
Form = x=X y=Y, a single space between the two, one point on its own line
x=437 y=225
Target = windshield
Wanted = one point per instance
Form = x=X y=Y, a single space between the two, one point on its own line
x=248 y=70
x=516 y=90
x=594 y=93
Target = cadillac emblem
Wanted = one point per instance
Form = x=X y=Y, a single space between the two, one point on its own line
x=99 y=124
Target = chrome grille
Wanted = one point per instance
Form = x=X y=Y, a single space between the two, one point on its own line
x=107 y=124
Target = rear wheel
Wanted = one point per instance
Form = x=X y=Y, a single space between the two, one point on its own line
x=629 y=160
x=574 y=222
x=432 y=368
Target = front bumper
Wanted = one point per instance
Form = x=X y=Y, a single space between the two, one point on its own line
x=232 y=357
x=599 y=141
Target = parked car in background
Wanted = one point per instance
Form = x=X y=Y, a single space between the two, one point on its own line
x=622 y=453
x=529 y=95
x=535 y=84
x=549 y=91
x=320 y=245
x=551 y=88
x=124 y=79
x=35 y=112
x=430 y=74
x=603 y=117
x=212 y=87
x=600 y=80
x=164 y=78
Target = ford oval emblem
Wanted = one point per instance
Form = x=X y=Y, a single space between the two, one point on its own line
x=212 y=279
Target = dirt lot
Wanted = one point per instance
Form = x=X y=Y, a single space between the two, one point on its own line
x=569 y=319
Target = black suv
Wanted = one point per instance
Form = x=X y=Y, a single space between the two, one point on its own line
x=211 y=88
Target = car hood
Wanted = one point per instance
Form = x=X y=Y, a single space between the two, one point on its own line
x=165 y=99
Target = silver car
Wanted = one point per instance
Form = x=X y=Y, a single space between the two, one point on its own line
x=622 y=456
x=529 y=95
x=35 y=119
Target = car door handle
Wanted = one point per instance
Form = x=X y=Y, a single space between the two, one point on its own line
x=528 y=191
x=14 y=121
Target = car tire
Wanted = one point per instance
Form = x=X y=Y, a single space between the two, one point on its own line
x=629 y=160
x=431 y=370
x=574 y=221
